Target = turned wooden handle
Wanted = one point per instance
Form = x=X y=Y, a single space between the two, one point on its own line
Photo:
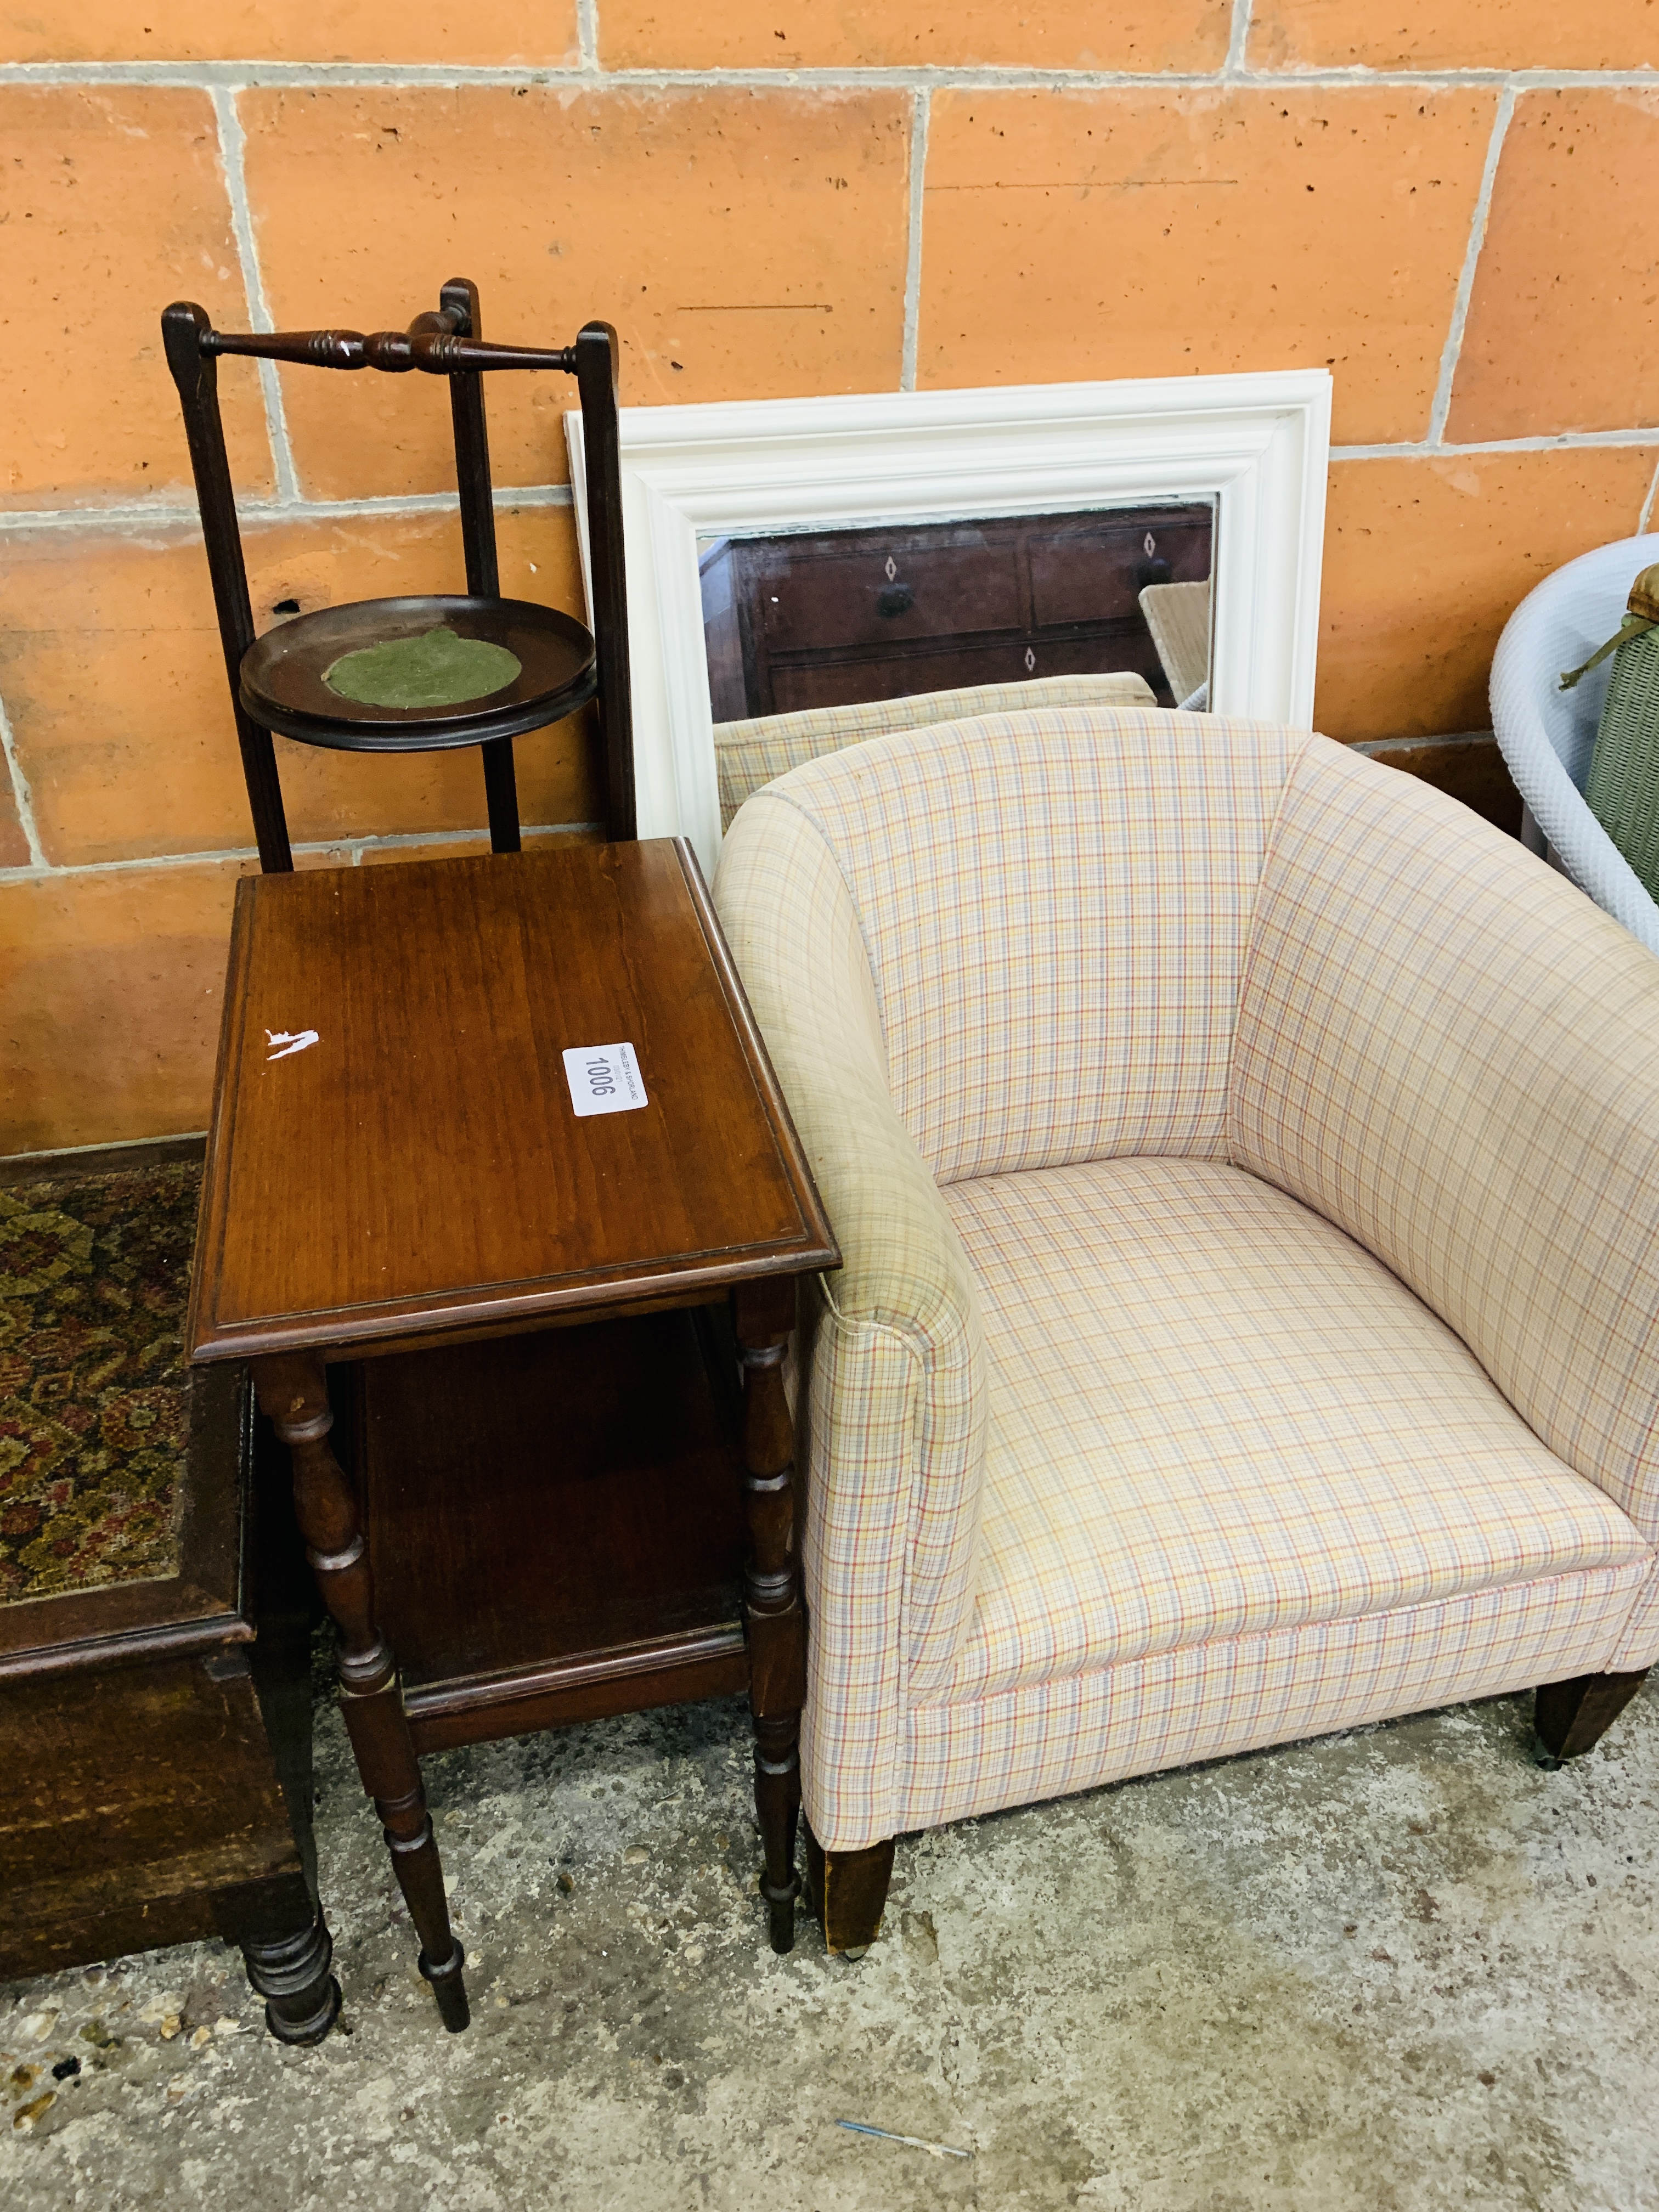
x=438 y=352
x=430 y=344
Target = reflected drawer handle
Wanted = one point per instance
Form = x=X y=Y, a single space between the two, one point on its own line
x=897 y=599
x=1153 y=572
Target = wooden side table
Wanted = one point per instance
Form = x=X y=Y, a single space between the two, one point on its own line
x=544 y=1523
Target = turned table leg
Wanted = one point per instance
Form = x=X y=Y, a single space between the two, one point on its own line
x=291 y=1972
x=293 y=1391
x=764 y=1313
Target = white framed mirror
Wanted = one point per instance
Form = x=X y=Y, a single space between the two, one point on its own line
x=1249 y=453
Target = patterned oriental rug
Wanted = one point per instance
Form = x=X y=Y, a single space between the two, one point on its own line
x=94 y=1396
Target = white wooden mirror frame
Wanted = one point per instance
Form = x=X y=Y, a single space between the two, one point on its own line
x=1257 y=445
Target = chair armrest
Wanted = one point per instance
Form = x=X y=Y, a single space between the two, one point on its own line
x=1449 y=1052
x=894 y=1412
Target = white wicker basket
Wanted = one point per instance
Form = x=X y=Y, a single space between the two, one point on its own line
x=1548 y=735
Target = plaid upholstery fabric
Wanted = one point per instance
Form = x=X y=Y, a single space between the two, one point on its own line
x=893 y=1423
x=1118 y=1452
x=1178 y=615
x=1453 y=1058
x=1054 y=910
x=748 y=755
x=1639 y=1643
x=1214 y=1415
x=1208 y=1700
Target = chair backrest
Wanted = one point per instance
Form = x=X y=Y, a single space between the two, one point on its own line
x=1548 y=735
x=752 y=753
x=447 y=343
x=1055 y=907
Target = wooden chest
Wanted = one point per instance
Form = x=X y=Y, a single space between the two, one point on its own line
x=155 y=1731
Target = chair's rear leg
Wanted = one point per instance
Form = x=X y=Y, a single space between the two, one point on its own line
x=849 y=1892
x=1571 y=1717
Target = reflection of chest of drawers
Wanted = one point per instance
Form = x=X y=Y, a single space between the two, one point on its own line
x=824 y=619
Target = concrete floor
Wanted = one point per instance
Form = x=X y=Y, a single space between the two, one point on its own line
x=1398 y=1969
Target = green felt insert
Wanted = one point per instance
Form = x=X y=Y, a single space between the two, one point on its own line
x=436 y=670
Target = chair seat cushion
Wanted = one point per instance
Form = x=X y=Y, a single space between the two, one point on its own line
x=1213 y=1414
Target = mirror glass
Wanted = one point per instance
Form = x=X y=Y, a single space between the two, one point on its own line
x=833 y=617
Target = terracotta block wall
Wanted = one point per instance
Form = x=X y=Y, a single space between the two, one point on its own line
x=1444 y=204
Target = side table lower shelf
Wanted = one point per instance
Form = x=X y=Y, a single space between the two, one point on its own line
x=554 y=1523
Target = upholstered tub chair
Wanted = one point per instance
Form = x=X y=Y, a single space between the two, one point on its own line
x=1246 y=1162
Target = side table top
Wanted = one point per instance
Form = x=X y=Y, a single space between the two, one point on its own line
x=395 y=1150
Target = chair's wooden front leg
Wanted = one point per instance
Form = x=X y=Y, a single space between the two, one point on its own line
x=849 y=1892
x=293 y=1391
x=762 y=1315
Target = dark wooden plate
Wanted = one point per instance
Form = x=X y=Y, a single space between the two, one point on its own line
x=282 y=689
